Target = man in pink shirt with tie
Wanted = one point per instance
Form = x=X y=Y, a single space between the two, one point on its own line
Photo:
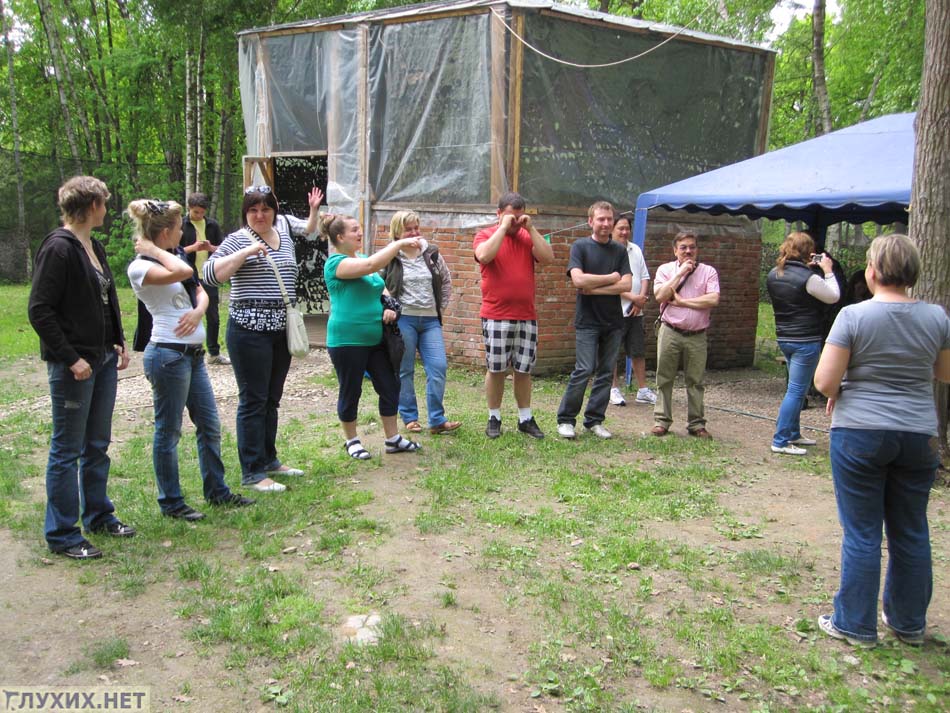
x=687 y=291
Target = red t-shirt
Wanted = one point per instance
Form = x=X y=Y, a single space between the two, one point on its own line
x=508 y=280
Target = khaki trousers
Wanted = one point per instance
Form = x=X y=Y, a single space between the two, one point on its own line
x=672 y=349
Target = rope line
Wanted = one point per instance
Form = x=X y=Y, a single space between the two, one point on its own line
x=544 y=54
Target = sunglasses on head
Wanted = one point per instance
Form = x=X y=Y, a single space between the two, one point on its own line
x=156 y=207
x=257 y=189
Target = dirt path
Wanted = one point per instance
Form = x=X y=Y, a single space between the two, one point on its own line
x=51 y=615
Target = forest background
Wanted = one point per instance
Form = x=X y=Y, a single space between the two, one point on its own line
x=144 y=93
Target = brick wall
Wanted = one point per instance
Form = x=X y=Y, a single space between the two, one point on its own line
x=731 y=245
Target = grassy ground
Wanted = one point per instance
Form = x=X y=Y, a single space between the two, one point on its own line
x=633 y=580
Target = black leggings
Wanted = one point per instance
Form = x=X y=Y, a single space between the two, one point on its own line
x=350 y=364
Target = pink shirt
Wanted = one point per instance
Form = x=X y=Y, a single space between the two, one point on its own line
x=704 y=280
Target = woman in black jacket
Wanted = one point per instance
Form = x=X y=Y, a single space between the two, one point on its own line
x=75 y=311
x=799 y=295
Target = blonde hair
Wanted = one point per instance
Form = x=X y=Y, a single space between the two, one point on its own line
x=895 y=259
x=796 y=246
x=599 y=205
x=151 y=217
x=79 y=195
x=397 y=226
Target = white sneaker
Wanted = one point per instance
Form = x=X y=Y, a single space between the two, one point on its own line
x=272 y=487
x=789 y=450
x=566 y=430
x=616 y=397
x=802 y=441
x=220 y=359
x=598 y=430
x=646 y=396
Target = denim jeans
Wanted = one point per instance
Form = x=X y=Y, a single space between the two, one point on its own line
x=596 y=350
x=802 y=360
x=77 y=471
x=260 y=361
x=179 y=380
x=882 y=477
x=424 y=334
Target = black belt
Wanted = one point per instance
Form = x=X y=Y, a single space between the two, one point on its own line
x=685 y=332
x=192 y=349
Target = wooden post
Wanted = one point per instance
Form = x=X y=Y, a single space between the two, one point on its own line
x=363 y=124
x=516 y=63
x=498 y=100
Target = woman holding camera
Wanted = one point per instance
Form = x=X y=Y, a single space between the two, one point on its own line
x=798 y=297
x=877 y=370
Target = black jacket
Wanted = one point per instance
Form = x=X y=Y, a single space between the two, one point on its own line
x=392 y=274
x=189 y=235
x=65 y=305
x=798 y=316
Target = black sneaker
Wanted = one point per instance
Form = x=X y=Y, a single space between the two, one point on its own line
x=185 y=513
x=84 y=550
x=235 y=500
x=493 y=430
x=116 y=529
x=531 y=428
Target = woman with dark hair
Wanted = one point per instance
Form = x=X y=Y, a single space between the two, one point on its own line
x=798 y=299
x=164 y=282
x=257 y=324
x=359 y=304
x=877 y=370
x=420 y=280
x=75 y=311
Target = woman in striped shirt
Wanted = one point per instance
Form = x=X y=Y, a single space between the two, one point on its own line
x=257 y=321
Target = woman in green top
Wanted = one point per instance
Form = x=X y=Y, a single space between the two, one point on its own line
x=355 y=330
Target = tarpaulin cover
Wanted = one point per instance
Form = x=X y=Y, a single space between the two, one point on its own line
x=610 y=133
x=859 y=174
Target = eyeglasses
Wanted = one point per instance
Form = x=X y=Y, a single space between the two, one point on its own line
x=156 y=207
x=257 y=189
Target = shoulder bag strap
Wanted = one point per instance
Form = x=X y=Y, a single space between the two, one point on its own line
x=280 y=281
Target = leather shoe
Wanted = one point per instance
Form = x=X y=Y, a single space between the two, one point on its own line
x=701 y=433
x=446 y=427
x=185 y=513
x=660 y=430
x=116 y=529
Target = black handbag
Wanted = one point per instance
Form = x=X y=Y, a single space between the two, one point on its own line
x=395 y=346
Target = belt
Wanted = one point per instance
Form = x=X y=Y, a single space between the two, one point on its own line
x=685 y=332
x=192 y=349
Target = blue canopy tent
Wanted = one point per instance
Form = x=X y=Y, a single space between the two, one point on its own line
x=859 y=174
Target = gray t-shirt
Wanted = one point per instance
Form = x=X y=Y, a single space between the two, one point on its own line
x=889 y=380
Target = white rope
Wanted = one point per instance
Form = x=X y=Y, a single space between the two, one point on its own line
x=534 y=49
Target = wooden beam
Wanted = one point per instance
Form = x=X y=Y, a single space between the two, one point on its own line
x=516 y=64
x=499 y=141
x=765 y=110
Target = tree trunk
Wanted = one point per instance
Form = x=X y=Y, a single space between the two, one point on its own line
x=225 y=116
x=930 y=197
x=15 y=265
x=189 y=126
x=818 y=65
x=199 y=112
x=45 y=18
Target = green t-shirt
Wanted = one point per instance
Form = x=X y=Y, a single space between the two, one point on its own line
x=356 y=314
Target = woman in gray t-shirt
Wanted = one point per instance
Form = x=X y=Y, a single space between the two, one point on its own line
x=877 y=370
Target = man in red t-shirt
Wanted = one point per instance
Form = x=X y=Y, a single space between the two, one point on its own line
x=507 y=253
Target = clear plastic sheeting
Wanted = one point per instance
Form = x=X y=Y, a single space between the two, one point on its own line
x=300 y=94
x=611 y=133
x=430 y=111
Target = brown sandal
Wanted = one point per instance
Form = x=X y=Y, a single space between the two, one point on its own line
x=660 y=430
x=414 y=427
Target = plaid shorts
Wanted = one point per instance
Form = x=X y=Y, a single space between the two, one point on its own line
x=510 y=343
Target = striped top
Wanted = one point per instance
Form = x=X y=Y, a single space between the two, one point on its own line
x=256 y=302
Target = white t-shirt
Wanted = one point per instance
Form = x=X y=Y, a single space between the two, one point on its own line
x=638 y=268
x=166 y=304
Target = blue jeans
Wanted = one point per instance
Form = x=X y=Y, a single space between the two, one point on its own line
x=179 y=380
x=882 y=477
x=260 y=361
x=595 y=355
x=802 y=360
x=424 y=334
x=77 y=471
